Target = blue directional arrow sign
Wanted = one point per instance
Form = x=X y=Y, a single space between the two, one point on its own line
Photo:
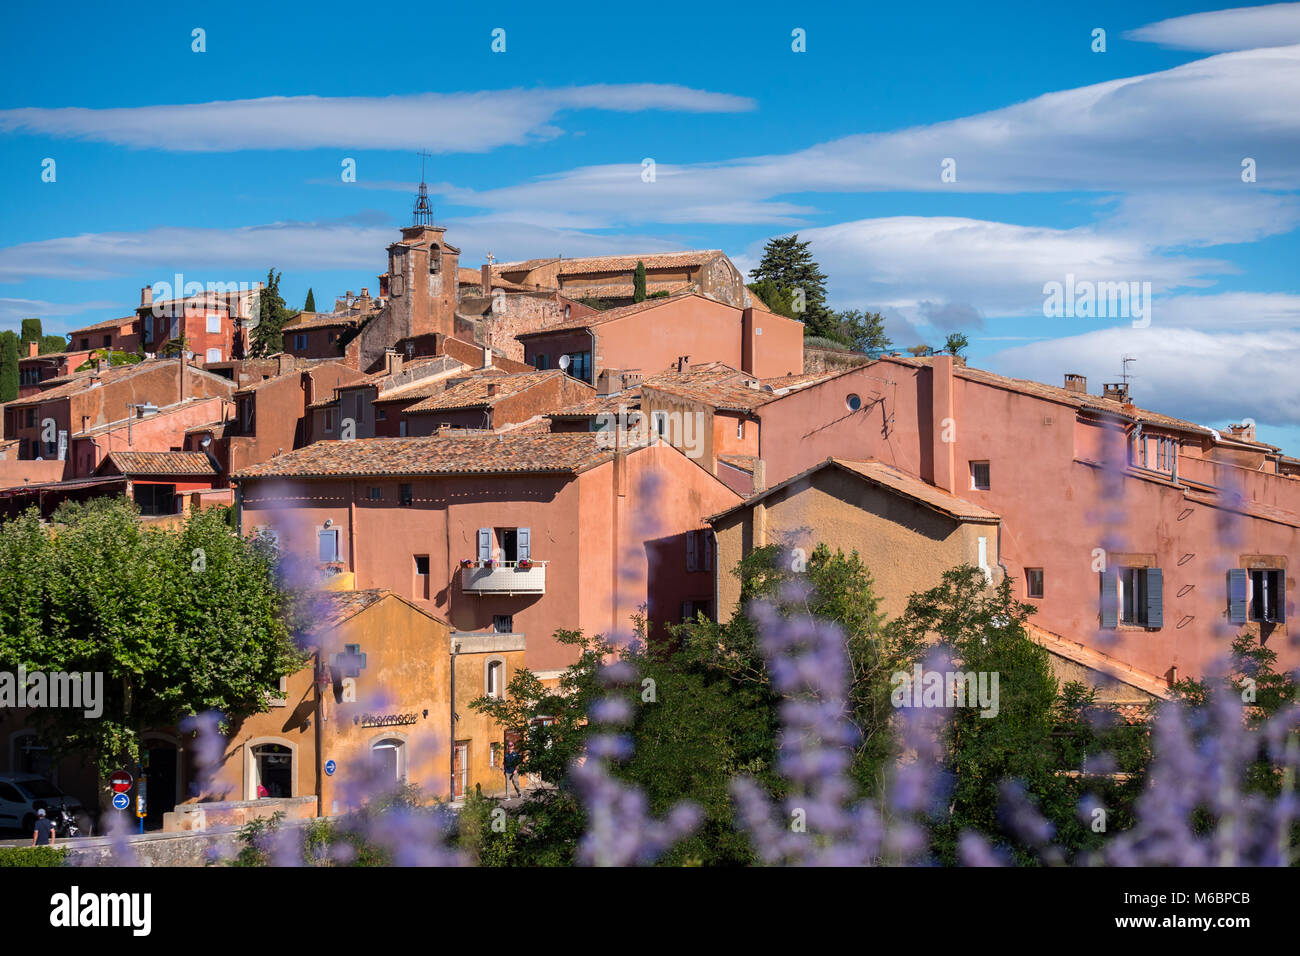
x=121 y=801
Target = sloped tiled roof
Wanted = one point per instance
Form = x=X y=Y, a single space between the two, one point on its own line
x=601 y=404
x=589 y=264
x=718 y=386
x=329 y=609
x=891 y=479
x=622 y=290
x=396 y=457
x=474 y=393
x=608 y=315
x=160 y=463
x=110 y=375
x=106 y=324
x=322 y=320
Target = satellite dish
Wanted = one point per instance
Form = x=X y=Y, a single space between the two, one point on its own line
x=565 y=362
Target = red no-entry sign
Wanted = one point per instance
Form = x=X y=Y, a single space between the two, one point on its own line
x=120 y=781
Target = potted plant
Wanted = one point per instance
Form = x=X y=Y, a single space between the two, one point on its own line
x=467 y=562
x=524 y=564
x=489 y=563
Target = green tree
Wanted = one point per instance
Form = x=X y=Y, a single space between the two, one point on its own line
x=838 y=588
x=178 y=621
x=920 y=350
x=862 y=331
x=31 y=332
x=789 y=265
x=268 y=337
x=8 y=366
x=310 y=304
x=955 y=344
x=772 y=296
x=52 y=343
x=638 y=282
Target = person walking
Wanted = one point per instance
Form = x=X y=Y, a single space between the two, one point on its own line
x=43 y=835
x=511 y=764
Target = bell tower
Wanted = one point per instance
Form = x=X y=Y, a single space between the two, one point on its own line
x=423 y=269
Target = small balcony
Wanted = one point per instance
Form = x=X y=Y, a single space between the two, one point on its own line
x=503 y=577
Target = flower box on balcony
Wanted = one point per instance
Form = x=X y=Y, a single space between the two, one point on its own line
x=524 y=565
x=467 y=562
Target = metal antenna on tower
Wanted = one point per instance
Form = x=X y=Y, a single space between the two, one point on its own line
x=423 y=209
x=1124 y=375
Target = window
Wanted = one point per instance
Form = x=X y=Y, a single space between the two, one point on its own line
x=329 y=420
x=852 y=401
x=1034 y=582
x=214 y=355
x=1268 y=596
x=495 y=683
x=381 y=414
x=404 y=495
x=299 y=341
x=699 y=551
x=389 y=757
x=273 y=769
x=360 y=404
x=494 y=755
x=108 y=341
x=740 y=428
x=85 y=343
x=692 y=608
x=422 y=577
x=979 y=475
x=376 y=493
x=1132 y=597
x=214 y=323
x=401 y=428
x=503 y=623
x=31 y=418
x=327 y=545
x=580 y=365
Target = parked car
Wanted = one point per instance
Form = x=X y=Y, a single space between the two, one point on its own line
x=22 y=794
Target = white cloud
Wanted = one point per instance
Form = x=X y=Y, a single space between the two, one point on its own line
x=244 y=253
x=439 y=122
x=1183 y=372
x=12 y=311
x=932 y=269
x=1187 y=127
x=1242 y=28
x=1205 y=217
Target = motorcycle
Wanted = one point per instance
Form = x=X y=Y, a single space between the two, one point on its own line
x=64 y=820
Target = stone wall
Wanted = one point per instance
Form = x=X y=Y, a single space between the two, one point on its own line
x=817 y=361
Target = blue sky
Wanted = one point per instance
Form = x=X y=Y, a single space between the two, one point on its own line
x=1123 y=165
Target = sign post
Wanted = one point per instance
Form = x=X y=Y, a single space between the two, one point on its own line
x=141 y=805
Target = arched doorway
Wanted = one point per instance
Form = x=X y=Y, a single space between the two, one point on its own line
x=162 y=768
x=272 y=766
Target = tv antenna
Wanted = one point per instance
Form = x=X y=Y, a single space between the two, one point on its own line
x=1124 y=374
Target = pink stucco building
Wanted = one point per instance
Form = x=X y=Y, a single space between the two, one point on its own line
x=1149 y=538
x=512 y=534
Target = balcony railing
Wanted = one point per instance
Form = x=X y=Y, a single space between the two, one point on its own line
x=503 y=577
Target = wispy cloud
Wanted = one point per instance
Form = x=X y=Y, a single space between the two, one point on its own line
x=1187 y=127
x=440 y=122
x=1243 y=28
x=1191 y=373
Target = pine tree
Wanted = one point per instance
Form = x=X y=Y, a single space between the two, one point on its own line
x=31 y=331
x=268 y=337
x=8 y=366
x=788 y=265
x=638 y=282
x=310 y=304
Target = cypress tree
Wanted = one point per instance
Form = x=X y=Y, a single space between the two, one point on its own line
x=310 y=304
x=8 y=366
x=638 y=282
x=31 y=330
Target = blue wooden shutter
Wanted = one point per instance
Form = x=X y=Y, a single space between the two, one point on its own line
x=692 y=561
x=523 y=545
x=1109 y=598
x=708 y=549
x=1281 y=596
x=1237 y=596
x=485 y=544
x=1155 y=597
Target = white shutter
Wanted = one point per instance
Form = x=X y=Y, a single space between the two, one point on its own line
x=485 y=544
x=523 y=544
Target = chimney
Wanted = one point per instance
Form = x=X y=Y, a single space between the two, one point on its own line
x=365 y=292
x=1076 y=383
x=760 y=475
x=485 y=279
x=392 y=362
x=942 y=418
x=683 y=363
x=1117 y=391
x=33 y=348
x=146 y=297
x=487 y=357
x=101 y=364
x=1242 y=432
x=492 y=389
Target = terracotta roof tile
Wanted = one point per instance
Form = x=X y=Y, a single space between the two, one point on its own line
x=588 y=264
x=601 y=404
x=322 y=320
x=482 y=391
x=476 y=455
x=160 y=463
x=718 y=386
x=608 y=315
x=106 y=324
